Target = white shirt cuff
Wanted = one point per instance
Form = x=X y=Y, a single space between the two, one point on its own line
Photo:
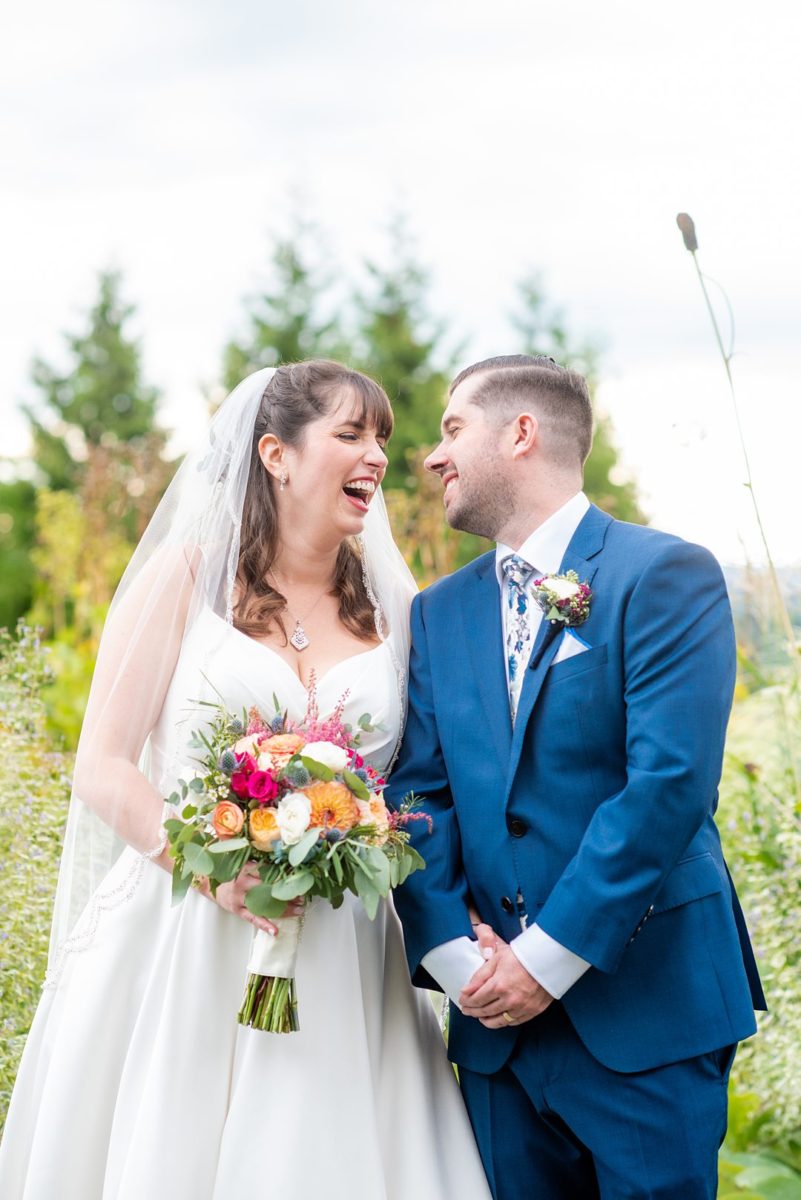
x=453 y=965
x=549 y=962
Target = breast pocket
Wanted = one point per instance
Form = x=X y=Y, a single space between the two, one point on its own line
x=579 y=664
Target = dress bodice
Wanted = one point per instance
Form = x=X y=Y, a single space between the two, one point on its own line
x=220 y=663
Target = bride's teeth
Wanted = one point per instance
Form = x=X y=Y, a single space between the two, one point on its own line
x=363 y=485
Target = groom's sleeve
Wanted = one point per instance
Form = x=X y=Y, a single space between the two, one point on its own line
x=433 y=903
x=679 y=669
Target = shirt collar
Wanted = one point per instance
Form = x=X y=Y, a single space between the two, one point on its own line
x=545 y=548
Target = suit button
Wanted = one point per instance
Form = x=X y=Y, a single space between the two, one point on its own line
x=517 y=828
x=506 y=904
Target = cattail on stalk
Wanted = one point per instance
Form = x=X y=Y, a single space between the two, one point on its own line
x=687 y=226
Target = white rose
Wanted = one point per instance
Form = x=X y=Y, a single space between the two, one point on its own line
x=327 y=754
x=292 y=815
x=563 y=589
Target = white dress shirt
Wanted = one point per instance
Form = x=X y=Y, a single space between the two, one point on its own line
x=553 y=966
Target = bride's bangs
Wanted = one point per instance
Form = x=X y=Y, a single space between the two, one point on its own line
x=371 y=406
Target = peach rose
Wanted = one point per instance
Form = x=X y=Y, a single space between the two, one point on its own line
x=374 y=812
x=277 y=750
x=264 y=829
x=249 y=744
x=332 y=805
x=227 y=819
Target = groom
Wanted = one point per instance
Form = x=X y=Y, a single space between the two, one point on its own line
x=571 y=769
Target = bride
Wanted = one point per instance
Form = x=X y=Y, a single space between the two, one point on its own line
x=268 y=560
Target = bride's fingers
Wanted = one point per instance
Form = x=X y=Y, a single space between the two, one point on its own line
x=262 y=923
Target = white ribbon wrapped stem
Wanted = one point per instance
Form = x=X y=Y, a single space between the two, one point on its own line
x=276 y=956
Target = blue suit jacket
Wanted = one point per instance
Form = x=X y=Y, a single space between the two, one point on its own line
x=598 y=807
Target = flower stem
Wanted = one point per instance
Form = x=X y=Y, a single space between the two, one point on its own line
x=784 y=614
x=270 y=1004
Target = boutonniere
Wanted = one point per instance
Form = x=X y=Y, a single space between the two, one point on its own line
x=564 y=599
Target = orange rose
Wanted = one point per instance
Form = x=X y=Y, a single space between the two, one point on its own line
x=264 y=829
x=227 y=819
x=333 y=805
x=275 y=752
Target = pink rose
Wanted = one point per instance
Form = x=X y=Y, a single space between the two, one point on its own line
x=262 y=786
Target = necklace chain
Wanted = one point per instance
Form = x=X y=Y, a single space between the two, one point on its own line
x=299 y=638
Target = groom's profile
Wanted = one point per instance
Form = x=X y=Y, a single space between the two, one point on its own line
x=568 y=699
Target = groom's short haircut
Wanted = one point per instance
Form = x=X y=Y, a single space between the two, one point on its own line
x=557 y=396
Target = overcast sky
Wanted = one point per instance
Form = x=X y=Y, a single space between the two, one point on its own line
x=167 y=139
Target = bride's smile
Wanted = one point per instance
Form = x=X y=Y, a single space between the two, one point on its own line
x=331 y=476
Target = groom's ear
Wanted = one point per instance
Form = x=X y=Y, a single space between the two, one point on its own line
x=525 y=432
x=271 y=453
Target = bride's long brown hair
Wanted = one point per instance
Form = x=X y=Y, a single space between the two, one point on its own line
x=296 y=395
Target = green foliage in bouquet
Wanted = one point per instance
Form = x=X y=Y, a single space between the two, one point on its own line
x=350 y=841
x=299 y=802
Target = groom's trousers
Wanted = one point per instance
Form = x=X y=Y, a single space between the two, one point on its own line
x=554 y=1124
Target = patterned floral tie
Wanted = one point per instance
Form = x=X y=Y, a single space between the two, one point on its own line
x=517 y=573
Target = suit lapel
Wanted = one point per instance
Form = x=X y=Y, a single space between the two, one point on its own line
x=586 y=543
x=481 y=613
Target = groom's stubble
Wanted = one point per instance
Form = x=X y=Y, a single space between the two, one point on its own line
x=485 y=499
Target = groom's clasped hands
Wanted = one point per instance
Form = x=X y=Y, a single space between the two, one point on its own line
x=501 y=992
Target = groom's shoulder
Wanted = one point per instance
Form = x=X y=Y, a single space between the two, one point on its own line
x=445 y=589
x=640 y=544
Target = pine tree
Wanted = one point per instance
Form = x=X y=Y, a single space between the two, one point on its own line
x=399 y=345
x=285 y=322
x=542 y=330
x=100 y=400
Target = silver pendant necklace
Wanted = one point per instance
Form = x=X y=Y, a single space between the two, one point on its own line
x=299 y=638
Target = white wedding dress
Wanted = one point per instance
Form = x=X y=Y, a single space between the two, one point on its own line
x=137 y=1083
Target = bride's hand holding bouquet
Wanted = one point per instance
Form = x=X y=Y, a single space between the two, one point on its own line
x=278 y=813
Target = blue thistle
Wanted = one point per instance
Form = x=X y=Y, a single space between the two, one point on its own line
x=277 y=724
x=297 y=775
x=227 y=762
x=237 y=726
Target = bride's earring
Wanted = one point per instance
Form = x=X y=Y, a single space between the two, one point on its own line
x=283 y=479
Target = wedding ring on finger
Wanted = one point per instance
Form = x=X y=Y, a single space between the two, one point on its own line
x=509 y=1020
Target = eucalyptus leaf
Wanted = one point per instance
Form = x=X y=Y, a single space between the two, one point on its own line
x=226 y=847
x=197 y=785
x=380 y=865
x=368 y=896
x=261 y=903
x=189 y=812
x=198 y=858
x=296 y=884
x=300 y=850
x=228 y=866
x=317 y=770
x=356 y=785
x=180 y=886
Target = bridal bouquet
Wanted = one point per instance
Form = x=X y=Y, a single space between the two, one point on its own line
x=298 y=800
